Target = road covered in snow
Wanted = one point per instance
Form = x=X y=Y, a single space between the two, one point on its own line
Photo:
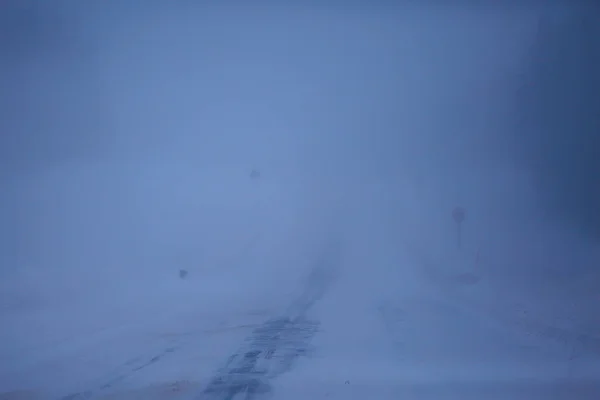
x=225 y=202
x=284 y=300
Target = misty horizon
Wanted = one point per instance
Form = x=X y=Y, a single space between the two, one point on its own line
x=243 y=144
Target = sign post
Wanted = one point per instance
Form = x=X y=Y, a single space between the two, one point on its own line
x=458 y=214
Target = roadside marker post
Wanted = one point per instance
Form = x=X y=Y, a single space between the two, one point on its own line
x=459 y=214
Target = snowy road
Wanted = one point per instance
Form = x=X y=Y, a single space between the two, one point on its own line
x=358 y=318
x=294 y=201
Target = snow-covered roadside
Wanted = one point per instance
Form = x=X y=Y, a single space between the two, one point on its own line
x=511 y=265
x=99 y=290
x=388 y=330
x=526 y=295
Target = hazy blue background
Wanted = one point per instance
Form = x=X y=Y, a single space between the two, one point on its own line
x=310 y=95
x=129 y=129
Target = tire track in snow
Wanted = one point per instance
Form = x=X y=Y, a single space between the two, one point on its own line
x=121 y=373
x=272 y=348
x=139 y=363
x=269 y=351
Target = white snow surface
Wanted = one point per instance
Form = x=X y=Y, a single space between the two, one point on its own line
x=98 y=299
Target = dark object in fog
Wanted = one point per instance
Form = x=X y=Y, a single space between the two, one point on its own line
x=254 y=174
x=183 y=273
x=459 y=214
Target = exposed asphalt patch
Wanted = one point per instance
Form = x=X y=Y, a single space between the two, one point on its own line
x=269 y=351
x=272 y=348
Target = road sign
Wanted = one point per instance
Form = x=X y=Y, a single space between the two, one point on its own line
x=458 y=214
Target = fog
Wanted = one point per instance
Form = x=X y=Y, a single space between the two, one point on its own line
x=247 y=144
